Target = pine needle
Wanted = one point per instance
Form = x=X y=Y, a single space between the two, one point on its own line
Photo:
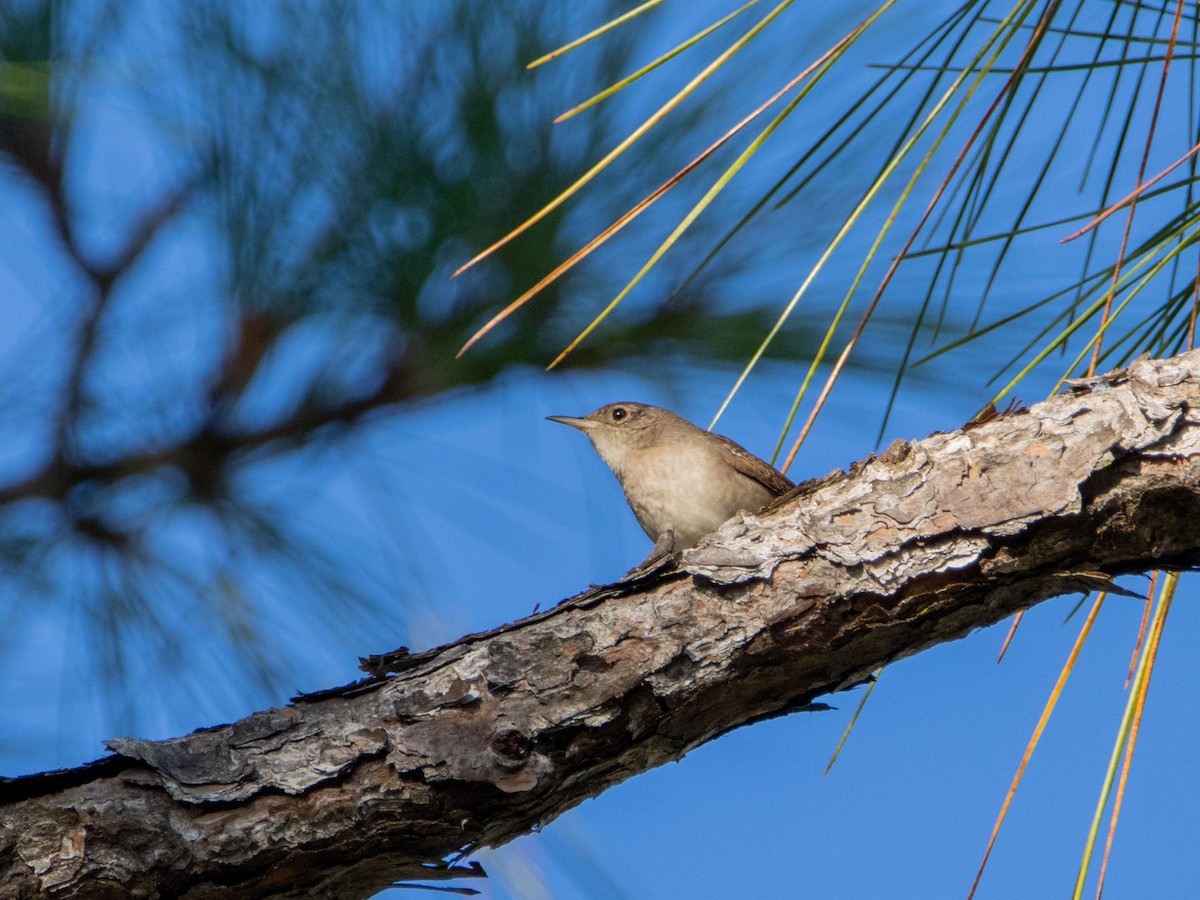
x=652 y=65
x=632 y=138
x=1012 y=630
x=1122 y=745
x=594 y=33
x=854 y=718
x=1051 y=702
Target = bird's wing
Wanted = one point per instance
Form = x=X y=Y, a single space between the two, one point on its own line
x=753 y=467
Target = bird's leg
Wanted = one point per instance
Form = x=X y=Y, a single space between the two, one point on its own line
x=662 y=554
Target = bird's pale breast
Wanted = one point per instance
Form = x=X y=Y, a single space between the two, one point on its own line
x=691 y=492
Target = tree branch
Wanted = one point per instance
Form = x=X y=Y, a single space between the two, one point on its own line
x=482 y=740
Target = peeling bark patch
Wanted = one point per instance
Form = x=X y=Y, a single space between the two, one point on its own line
x=204 y=758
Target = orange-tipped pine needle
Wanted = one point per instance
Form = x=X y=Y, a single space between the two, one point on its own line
x=625 y=219
x=1121 y=745
x=822 y=63
x=1131 y=196
x=594 y=33
x=1142 y=628
x=574 y=258
x=653 y=64
x=1136 y=724
x=1012 y=630
x=656 y=117
x=1051 y=702
x=638 y=208
x=854 y=718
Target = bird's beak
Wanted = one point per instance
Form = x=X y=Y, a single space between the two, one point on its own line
x=581 y=424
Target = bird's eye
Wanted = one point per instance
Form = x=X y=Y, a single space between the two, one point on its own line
x=619 y=413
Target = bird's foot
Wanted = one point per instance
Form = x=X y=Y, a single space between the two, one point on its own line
x=662 y=556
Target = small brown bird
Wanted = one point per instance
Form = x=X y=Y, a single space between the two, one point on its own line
x=681 y=481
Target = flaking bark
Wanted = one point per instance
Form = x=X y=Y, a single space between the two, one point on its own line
x=484 y=739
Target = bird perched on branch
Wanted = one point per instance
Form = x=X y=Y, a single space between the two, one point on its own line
x=681 y=481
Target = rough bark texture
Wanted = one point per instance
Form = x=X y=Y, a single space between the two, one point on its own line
x=482 y=740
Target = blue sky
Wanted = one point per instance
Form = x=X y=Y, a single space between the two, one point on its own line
x=461 y=512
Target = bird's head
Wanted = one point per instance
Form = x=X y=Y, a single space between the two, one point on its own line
x=618 y=429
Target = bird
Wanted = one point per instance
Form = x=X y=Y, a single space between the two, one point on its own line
x=681 y=481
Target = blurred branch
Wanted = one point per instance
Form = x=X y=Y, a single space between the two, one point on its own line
x=474 y=743
x=210 y=449
x=104 y=278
